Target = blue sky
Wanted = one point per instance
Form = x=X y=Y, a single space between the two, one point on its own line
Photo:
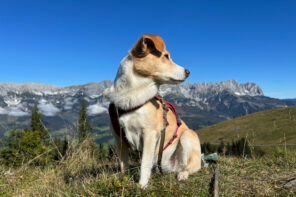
x=75 y=42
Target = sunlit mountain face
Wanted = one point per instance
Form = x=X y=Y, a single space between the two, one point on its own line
x=200 y=104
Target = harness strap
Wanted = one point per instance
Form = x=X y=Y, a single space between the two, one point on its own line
x=162 y=135
x=114 y=116
x=178 y=120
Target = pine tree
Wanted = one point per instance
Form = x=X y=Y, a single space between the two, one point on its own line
x=221 y=147
x=83 y=123
x=61 y=147
x=228 y=149
x=10 y=151
x=234 y=148
x=101 y=151
x=36 y=123
x=31 y=145
x=111 y=150
x=65 y=146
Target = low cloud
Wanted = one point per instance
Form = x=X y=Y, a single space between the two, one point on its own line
x=47 y=109
x=18 y=110
x=3 y=111
x=17 y=113
x=69 y=103
x=95 y=109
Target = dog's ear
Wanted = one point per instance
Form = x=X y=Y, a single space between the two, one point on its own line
x=148 y=43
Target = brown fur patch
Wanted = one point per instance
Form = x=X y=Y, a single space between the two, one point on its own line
x=150 y=57
x=149 y=43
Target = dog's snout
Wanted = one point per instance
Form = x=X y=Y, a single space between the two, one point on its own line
x=187 y=72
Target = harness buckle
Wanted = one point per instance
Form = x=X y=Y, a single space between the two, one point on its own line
x=175 y=135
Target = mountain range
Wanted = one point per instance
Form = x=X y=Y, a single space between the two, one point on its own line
x=200 y=104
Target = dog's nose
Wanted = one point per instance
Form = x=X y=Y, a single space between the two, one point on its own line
x=187 y=72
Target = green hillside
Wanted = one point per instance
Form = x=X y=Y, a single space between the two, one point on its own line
x=266 y=127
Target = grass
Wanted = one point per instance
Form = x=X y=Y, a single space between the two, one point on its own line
x=81 y=174
x=276 y=126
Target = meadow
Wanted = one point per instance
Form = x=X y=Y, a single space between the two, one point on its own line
x=270 y=127
x=82 y=172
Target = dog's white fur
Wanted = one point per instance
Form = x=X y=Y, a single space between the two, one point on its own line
x=131 y=90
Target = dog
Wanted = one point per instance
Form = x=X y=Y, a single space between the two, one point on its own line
x=138 y=79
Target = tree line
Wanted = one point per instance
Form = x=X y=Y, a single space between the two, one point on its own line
x=35 y=145
x=240 y=148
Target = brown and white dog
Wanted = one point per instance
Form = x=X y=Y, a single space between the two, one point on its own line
x=139 y=76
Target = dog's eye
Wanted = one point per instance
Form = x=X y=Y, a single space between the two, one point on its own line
x=167 y=56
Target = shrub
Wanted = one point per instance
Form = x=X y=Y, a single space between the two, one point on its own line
x=237 y=148
x=25 y=147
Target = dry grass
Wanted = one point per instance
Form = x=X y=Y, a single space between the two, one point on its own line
x=81 y=174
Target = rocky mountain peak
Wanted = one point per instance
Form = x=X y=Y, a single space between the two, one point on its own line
x=205 y=89
x=200 y=104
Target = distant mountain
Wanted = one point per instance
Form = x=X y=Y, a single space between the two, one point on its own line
x=201 y=104
x=204 y=104
x=205 y=89
x=290 y=100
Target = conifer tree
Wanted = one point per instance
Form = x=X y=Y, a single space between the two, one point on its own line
x=65 y=146
x=234 y=148
x=221 y=147
x=36 y=123
x=101 y=151
x=83 y=123
x=31 y=145
x=228 y=149
x=111 y=149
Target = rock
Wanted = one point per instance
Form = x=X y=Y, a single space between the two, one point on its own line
x=8 y=173
x=290 y=183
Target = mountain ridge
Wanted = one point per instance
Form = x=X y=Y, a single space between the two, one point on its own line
x=232 y=85
x=201 y=104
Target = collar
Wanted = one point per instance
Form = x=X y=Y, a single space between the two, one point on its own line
x=122 y=111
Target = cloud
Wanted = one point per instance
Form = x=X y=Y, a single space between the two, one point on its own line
x=18 y=110
x=95 y=109
x=47 y=109
x=69 y=103
x=3 y=111
x=17 y=113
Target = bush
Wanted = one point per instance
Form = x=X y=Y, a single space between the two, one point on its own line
x=25 y=147
x=31 y=146
x=237 y=148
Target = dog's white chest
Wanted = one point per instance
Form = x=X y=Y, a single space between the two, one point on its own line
x=132 y=123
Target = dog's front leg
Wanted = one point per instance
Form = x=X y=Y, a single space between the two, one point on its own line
x=150 y=140
x=122 y=152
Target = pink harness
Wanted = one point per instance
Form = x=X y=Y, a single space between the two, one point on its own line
x=178 y=119
x=115 y=113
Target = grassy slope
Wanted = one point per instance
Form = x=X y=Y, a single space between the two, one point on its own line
x=238 y=177
x=80 y=174
x=266 y=127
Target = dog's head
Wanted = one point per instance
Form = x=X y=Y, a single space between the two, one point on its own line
x=152 y=60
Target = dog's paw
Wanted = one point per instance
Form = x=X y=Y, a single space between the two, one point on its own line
x=183 y=176
x=144 y=184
